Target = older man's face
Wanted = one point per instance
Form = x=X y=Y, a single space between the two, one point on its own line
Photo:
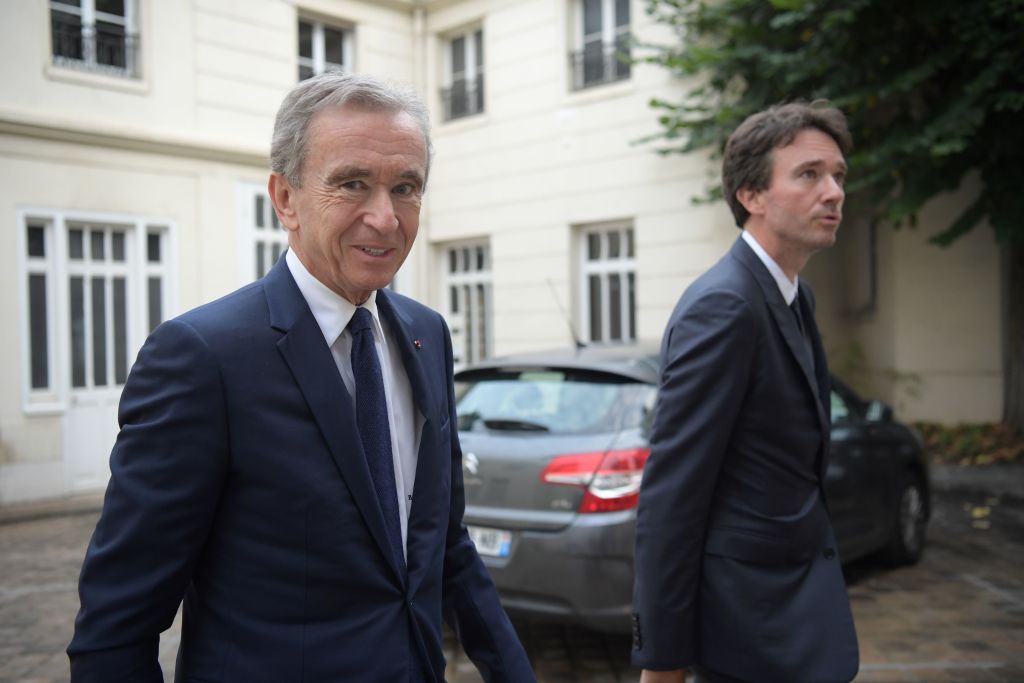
x=355 y=217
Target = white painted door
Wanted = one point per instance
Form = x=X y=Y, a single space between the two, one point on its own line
x=99 y=318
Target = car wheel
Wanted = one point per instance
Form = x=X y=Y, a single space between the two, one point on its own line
x=911 y=518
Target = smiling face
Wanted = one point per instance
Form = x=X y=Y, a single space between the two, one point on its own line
x=799 y=212
x=355 y=217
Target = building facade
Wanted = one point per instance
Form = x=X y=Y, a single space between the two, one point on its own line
x=134 y=137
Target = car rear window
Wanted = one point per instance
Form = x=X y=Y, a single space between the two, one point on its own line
x=552 y=401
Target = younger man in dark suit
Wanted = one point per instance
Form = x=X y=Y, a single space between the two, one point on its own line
x=288 y=461
x=737 y=576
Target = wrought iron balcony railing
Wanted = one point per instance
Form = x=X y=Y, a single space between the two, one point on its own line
x=98 y=49
x=463 y=98
x=599 y=63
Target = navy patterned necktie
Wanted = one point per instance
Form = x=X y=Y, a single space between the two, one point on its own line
x=372 y=421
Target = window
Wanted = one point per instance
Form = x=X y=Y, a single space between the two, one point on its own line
x=466 y=284
x=262 y=236
x=323 y=47
x=602 y=31
x=464 y=58
x=94 y=288
x=608 y=304
x=95 y=35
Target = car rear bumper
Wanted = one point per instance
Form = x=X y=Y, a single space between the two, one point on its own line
x=582 y=573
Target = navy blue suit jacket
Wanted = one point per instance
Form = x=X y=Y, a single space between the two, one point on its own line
x=238 y=483
x=736 y=566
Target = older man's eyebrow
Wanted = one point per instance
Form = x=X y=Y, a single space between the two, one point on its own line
x=346 y=173
x=413 y=176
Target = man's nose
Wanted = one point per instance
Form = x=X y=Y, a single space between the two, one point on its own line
x=380 y=212
x=834 y=192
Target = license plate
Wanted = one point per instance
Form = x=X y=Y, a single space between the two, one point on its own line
x=491 y=542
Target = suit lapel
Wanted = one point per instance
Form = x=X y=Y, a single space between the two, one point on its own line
x=786 y=323
x=308 y=357
x=417 y=347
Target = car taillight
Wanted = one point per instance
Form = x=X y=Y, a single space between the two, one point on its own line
x=611 y=481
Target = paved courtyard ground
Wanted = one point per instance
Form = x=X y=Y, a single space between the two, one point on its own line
x=958 y=616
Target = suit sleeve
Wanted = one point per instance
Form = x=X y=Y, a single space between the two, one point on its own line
x=470 y=600
x=166 y=472
x=707 y=358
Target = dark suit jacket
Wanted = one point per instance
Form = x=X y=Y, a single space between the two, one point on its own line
x=238 y=482
x=736 y=567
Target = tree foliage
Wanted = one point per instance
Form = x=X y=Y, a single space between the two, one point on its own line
x=933 y=91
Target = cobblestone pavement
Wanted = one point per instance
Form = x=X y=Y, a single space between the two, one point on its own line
x=958 y=616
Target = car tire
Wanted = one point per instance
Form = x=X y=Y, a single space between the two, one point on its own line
x=910 y=519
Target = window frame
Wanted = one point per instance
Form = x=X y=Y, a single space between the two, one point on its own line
x=468 y=346
x=89 y=62
x=603 y=268
x=253 y=237
x=611 y=35
x=57 y=267
x=318 y=63
x=474 y=53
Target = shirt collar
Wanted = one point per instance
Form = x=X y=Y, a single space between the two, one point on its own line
x=331 y=311
x=786 y=288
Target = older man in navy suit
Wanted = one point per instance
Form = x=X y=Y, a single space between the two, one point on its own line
x=737 y=576
x=288 y=461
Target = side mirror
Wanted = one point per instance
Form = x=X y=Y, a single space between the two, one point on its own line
x=878 y=411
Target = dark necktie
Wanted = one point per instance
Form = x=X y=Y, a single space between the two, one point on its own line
x=372 y=421
x=804 y=335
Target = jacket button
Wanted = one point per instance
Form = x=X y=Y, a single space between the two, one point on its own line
x=829 y=553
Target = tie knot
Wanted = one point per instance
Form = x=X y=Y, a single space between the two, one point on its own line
x=361 y=321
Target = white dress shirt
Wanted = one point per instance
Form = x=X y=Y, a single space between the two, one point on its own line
x=787 y=287
x=332 y=313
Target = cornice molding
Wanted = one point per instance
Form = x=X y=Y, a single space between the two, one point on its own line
x=135 y=139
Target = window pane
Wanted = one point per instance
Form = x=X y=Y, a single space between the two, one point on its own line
x=38 y=336
x=111 y=7
x=481 y=319
x=99 y=332
x=480 y=260
x=478 y=40
x=275 y=252
x=66 y=33
x=117 y=246
x=459 y=56
x=261 y=259
x=110 y=44
x=453 y=294
x=306 y=40
x=70 y=3
x=96 y=245
x=452 y=260
x=465 y=259
x=153 y=247
x=622 y=12
x=591 y=17
x=632 y=305
x=593 y=246
x=613 y=244
x=629 y=243
x=305 y=72
x=259 y=211
x=469 y=338
x=36 y=241
x=155 y=298
x=120 y=331
x=334 y=46
x=77 y=331
x=76 y=245
x=615 y=306
x=595 y=308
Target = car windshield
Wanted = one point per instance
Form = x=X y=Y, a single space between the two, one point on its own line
x=551 y=401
